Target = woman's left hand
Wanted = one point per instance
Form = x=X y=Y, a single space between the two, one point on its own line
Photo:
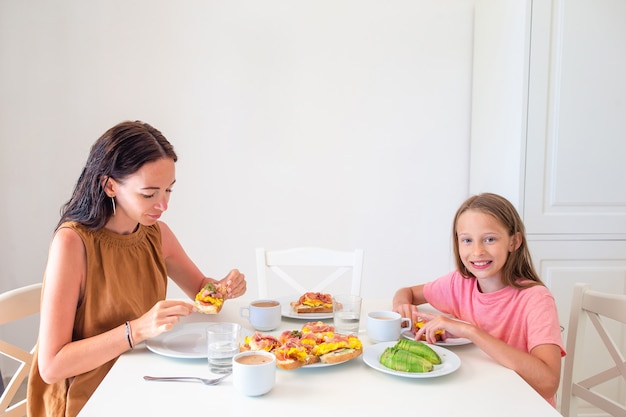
x=235 y=283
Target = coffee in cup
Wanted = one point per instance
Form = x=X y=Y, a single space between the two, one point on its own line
x=385 y=326
x=254 y=372
x=264 y=315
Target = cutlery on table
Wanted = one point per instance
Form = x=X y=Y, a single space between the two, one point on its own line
x=205 y=381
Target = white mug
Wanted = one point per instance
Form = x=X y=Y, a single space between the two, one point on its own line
x=385 y=326
x=264 y=315
x=254 y=372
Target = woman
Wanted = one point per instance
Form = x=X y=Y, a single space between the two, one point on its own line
x=106 y=277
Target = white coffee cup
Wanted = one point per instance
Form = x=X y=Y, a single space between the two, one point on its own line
x=254 y=372
x=264 y=315
x=385 y=326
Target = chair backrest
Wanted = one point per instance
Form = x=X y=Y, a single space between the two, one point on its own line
x=15 y=305
x=341 y=262
x=607 y=313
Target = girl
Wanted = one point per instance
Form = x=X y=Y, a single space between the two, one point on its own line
x=108 y=264
x=495 y=297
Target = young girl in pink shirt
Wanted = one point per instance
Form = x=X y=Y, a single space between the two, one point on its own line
x=494 y=298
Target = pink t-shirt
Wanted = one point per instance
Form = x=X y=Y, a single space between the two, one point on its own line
x=522 y=318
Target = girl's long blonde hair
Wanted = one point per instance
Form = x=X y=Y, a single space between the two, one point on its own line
x=518 y=265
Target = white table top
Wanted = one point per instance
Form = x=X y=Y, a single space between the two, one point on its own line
x=480 y=387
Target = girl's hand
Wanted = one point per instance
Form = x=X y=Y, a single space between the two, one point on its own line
x=235 y=283
x=433 y=323
x=406 y=310
x=160 y=318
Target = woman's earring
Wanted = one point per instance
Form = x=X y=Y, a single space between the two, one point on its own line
x=113 y=202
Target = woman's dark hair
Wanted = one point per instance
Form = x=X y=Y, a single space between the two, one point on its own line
x=519 y=263
x=120 y=152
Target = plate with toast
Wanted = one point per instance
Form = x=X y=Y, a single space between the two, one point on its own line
x=315 y=345
x=317 y=307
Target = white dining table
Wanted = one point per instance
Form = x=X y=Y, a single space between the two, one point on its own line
x=479 y=387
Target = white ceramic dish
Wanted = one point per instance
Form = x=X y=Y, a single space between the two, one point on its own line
x=450 y=362
x=451 y=341
x=287 y=311
x=184 y=341
x=322 y=365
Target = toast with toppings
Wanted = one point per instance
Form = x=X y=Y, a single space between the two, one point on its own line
x=313 y=302
x=315 y=342
x=419 y=324
x=210 y=298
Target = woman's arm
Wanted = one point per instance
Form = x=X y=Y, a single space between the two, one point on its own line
x=187 y=275
x=58 y=356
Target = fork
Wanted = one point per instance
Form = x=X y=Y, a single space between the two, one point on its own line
x=205 y=381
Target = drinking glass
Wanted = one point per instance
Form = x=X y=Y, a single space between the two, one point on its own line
x=347 y=313
x=223 y=345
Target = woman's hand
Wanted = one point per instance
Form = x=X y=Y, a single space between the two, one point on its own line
x=235 y=283
x=160 y=318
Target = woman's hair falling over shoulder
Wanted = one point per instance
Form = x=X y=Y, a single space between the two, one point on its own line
x=519 y=264
x=118 y=153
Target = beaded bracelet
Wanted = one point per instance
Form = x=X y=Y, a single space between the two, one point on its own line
x=129 y=336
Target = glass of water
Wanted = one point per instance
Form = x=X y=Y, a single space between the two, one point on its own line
x=346 y=313
x=223 y=345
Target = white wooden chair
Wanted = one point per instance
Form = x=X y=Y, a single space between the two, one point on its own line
x=15 y=305
x=607 y=313
x=341 y=262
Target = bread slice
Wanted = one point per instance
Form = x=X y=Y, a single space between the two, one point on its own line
x=207 y=308
x=304 y=309
x=289 y=364
x=341 y=355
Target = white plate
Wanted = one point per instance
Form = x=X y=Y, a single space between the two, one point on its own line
x=450 y=362
x=287 y=311
x=185 y=341
x=451 y=341
x=323 y=365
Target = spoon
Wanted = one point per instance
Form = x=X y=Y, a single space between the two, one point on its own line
x=205 y=381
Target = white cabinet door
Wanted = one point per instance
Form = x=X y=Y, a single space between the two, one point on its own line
x=576 y=131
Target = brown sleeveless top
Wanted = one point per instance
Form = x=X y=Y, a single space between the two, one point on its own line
x=126 y=276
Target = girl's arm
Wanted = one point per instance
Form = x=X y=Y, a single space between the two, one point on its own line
x=541 y=368
x=187 y=275
x=58 y=356
x=406 y=300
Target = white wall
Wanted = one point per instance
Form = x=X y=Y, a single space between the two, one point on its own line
x=337 y=123
x=334 y=123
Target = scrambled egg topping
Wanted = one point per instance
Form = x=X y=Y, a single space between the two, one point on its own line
x=207 y=299
x=323 y=348
x=420 y=324
x=296 y=353
x=315 y=303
